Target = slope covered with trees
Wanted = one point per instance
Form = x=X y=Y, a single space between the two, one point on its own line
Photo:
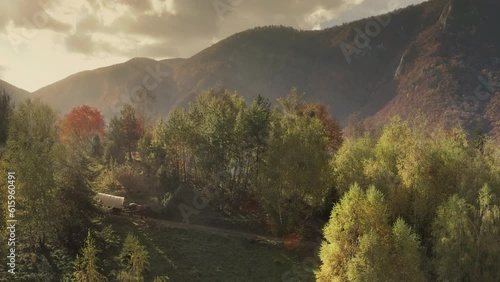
x=434 y=57
x=437 y=188
x=227 y=153
x=416 y=200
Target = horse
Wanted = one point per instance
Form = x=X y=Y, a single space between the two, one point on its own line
x=142 y=210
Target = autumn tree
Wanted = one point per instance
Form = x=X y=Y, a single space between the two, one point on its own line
x=81 y=125
x=361 y=245
x=416 y=164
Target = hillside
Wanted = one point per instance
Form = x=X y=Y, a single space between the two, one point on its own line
x=191 y=255
x=17 y=94
x=110 y=87
x=426 y=57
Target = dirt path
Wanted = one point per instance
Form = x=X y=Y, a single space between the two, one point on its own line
x=213 y=230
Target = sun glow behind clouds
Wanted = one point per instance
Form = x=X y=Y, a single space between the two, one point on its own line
x=320 y=16
x=160 y=7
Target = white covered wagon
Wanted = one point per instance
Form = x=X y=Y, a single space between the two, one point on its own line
x=111 y=201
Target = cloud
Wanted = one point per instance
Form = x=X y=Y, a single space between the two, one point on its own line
x=31 y=15
x=183 y=27
x=172 y=28
x=367 y=9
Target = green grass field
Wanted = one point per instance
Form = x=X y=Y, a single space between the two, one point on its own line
x=191 y=255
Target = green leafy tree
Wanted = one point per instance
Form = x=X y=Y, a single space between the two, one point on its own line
x=52 y=183
x=150 y=149
x=331 y=126
x=31 y=142
x=216 y=144
x=72 y=195
x=86 y=269
x=177 y=138
x=296 y=175
x=372 y=261
x=124 y=133
x=406 y=263
x=417 y=166
x=350 y=161
x=466 y=239
x=255 y=128
x=393 y=257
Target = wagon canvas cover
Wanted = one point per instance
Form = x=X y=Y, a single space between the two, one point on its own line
x=111 y=200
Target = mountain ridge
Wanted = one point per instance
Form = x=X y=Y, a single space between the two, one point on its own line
x=428 y=57
x=17 y=94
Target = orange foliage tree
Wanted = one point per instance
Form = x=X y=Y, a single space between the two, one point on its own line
x=81 y=124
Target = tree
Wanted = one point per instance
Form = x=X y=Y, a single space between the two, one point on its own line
x=350 y=161
x=150 y=149
x=31 y=141
x=5 y=111
x=393 y=257
x=86 y=269
x=418 y=165
x=124 y=133
x=72 y=195
x=407 y=261
x=135 y=258
x=361 y=245
x=296 y=175
x=330 y=125
x=81 y=125
x=52 y=183
x=177 y=139
x=466 y=239
x=255 y=127
x=216 y=144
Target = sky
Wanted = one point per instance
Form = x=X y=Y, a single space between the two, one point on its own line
x=43 y=41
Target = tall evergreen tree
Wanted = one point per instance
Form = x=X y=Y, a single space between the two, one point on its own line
x=86 y=269
x=135 y=259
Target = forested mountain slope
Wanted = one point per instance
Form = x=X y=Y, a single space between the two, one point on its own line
x=429 y=57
